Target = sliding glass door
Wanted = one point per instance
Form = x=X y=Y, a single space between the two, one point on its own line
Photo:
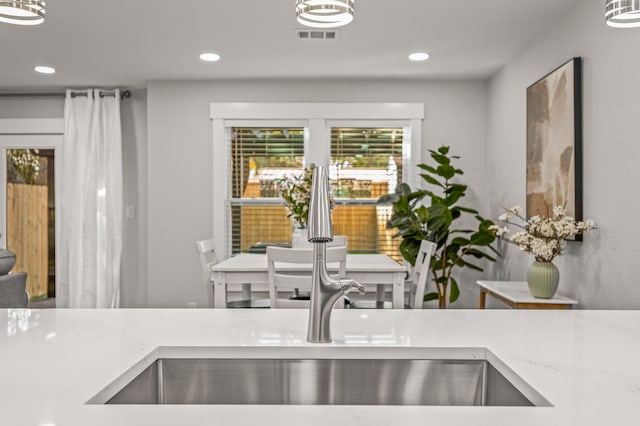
x=28 y=202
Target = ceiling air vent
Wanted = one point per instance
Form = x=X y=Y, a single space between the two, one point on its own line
x=305 y=34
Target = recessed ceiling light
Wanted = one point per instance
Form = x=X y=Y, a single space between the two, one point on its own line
x=419 y=56
x=210 y=57
x=44 y=70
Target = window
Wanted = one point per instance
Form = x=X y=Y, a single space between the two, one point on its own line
x=259 y=157
x=366 y=163
x=368 y=147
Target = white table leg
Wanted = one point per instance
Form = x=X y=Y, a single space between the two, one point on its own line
x=246 y=291
x=219 y=292
x=380 y=292
x=210 y=296
x=398 y=291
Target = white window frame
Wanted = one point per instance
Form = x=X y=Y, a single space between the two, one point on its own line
x=317 y=118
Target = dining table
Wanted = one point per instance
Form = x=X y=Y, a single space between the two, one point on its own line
x=374 y=271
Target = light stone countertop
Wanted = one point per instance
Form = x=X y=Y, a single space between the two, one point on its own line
x=586 y=363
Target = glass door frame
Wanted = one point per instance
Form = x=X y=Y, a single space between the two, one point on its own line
x=26 y=134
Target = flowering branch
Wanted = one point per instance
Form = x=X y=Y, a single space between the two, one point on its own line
x=25 y=163
x=295 y=191
x=544 y=237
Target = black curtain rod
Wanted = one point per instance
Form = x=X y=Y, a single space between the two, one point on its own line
x=123 y=95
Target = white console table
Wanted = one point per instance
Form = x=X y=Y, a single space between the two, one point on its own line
x=516 y=294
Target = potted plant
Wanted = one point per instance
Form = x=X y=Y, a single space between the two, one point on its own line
x=439 y=222
x=545 y=238
x=296 y=193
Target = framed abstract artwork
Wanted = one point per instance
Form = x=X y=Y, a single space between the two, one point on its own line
x=554 y=142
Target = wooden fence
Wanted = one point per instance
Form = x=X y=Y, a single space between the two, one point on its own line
x=364 y=226
x=27 y=234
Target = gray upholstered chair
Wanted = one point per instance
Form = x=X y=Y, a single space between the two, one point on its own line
x=13 y=290
x=7 y=261
x=13 y=287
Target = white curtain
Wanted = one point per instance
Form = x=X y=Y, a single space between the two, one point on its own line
x=88 y=270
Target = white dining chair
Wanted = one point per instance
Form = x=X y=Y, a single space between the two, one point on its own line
x=338 y=241
x=420 y=274
x=282 y=282
x=208 y=258
x=417 y=283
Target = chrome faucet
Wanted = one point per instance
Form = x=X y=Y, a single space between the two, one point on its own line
x=325 y=290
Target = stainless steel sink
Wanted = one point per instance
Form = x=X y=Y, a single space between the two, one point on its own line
x=321 y=381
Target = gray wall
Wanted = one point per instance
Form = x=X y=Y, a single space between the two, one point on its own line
x=602 y=271
x=180 y=155
x=134 y=139
x=32 y=107
x=134 y=242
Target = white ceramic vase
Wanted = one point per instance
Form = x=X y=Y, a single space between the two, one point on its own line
x=298 y=235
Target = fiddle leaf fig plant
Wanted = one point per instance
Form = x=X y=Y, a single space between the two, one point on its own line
x=457 y=246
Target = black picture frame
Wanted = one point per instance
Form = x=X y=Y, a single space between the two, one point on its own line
x=554 y=142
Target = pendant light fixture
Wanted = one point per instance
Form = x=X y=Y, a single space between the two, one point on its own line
x=622 y=13
x=22 y=12
x=324 y=13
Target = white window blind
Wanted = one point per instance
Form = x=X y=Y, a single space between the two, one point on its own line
x=366 y=163
x=260 y=158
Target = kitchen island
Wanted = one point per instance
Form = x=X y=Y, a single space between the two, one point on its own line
x=585 y=363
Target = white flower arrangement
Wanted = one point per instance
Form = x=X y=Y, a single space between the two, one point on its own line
x=296 y=192
x=544 y=237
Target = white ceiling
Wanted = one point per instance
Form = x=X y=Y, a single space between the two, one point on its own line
x=127 y=43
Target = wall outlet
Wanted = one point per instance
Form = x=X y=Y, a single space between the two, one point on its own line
x=130 y=212
x=192 y=304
